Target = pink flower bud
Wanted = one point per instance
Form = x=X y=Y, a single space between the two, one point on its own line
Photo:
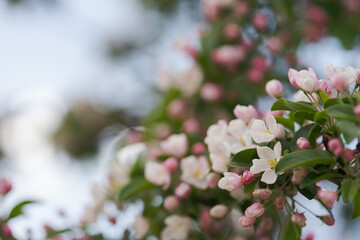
x=260 y=63
x=211 y=92
x=255 y=210
x=309 y=236
x=277 y=113
x=348 y=154
x=171 y=164
x=177 y=109
x=324 y=86
x=228 y=56
x=191 y=125
x=198 y=149
x=231 y=31
x=299 y=219
x=212 y=180
x=141 y=226
x=274 y=44
x=274 y=88
x=358 y=73
x=247 y=177
x=340 y=82
x=262 y=194
x=292 y=77
x=182 y=190
x=357 y=110
x=246 y=221
x=175 y=145
x=327 y=197
x=6 y=231
x=246 y=113
x=171 y=203
x=255 y=75
x=218 y=211
x=298 y=175
x=335 y=146
x=5 y=186
x=302 y=143
x=280 y=131
x=328 y=220
x=279 y=203
x=260 y=21
x=230 y=182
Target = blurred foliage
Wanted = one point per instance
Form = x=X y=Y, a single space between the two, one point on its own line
x=165 y=6
x=80 y=128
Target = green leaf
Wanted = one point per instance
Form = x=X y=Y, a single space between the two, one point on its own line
x=304 y=114
x=342 y=111
x=311 y=132
x=320 y=117
x=288 y=123
x=309 y=192
x=18 y=209
x=304 y=158
x=56 y=233
x=334 y=101
x=324 y=96
x=244 y=158
x=249 y=188
x=356 y=205
x=135 y=186
x=349 y=189
x=349 y=129
x=284 y=104
x=289 y=230
x=314 y=177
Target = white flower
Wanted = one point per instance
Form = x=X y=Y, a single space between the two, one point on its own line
x=339 y=77
x=241 y=133
x=194 y=171
x=267 y=162
x=176 y=145
x=307 y=80
x=177 y=228
x=219 y=163
x=157 y=174
x=262 y=132
x=246 y=113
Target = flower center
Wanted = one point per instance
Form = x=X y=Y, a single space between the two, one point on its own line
x=197 y=173
x=242 y=141
x=272 y=162
x=268 y=131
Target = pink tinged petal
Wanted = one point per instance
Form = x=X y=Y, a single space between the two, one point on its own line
x=237 y=128
x=265 y=153
x=259 y=165
x=269 y=177
x=258 y=126
x=277 y=150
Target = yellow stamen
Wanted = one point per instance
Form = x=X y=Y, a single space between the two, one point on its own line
x=197 y=173
x=242 y=141
x=268 y=131
x=272 y=162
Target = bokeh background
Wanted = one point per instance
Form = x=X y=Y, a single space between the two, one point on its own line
x=75 y=73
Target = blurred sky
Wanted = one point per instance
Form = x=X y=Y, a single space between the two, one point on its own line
x=53 y=55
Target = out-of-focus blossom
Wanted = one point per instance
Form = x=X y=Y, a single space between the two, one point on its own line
x=335 y=146
x=231 y=31
x=218 y=211
x=228 y=56
x=339 y=77
x=171 y=203
x=191 y=125
x=279 y=203
x=171 y=164
x=141 y=227
x=242 y=135
x=262 y=194
x=213 y=180
x=246 y=221
x=177 y=227
x=211 y=92
x=260 y=21
x=157 y=174
x=262 y=132
x=255 y=210
x=177 y=109
x=274 y=88
x=6 y=231
x=327 y=197
x=299 y=219
x=176 y=145
x=198 y=149
x=5 y=186
x=182 y=190
x=298 y=175
x=246 y=113
x=267 y=162
x=194 y=171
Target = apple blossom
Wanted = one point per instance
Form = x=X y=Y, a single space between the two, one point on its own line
x=191 y=125
x=327 y=197
x=274 y=88
x=357 y=109
x=348 y=154
x=171 y=164
x=279 y=203
x=213 y=180
x=228 y=56
x=177 y=227
x=307 y=80
x=262 y=194
x=302 y=143
x=246 y=221
x=5 y=186
x=267 y=162
x=230 y=182
x=292 y=77
x=262 y=132
x=241 y=133
x=247 y=177
x=198 y=149
x=194 y=171
x=175 y=145
x=171 y=203
x=141 y=227
x=255 y=210
x=339 y=77
x=211 y=92
x=299 y=219
x=177 y=109
x=182 y=190
x=6 y=231
x=335 y=146
x=218 y=211
x=157 y=174
x=246 y=113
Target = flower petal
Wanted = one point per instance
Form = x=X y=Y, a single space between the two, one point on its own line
x=237 y=128
x=265 y=153
x=269 y=176
x=259 y=165
x=277 y=150
x=271 y=123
